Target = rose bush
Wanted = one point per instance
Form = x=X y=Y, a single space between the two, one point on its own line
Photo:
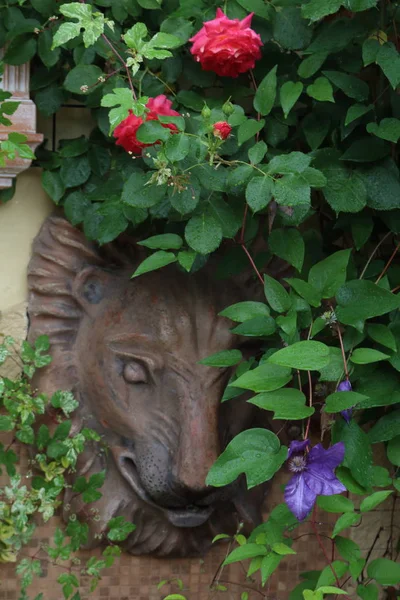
x=266 y=142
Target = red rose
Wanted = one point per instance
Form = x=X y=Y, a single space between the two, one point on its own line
x=125 y=132
x=227 y=46
x=221 y=130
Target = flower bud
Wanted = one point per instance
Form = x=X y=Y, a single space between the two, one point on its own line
x=227 y=108
x=221 y=130
x=206 y=112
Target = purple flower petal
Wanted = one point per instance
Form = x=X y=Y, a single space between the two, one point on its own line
x=331 y=458
x=321 y=485
x=299 y=497
x=344 y=386
x=297 y=447
x=347 y=414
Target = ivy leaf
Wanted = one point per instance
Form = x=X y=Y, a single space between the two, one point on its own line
x=388 y=59
x=123 y=100
x=157 y=260
x=310 y=65
x=388 y=129
x=290 y=30
x=356 y=111
x=91 y=23
x=290 y=92
x=307 y=355
x=119 y=529
x=255 y=452
x=321 y=90
x=265 y=95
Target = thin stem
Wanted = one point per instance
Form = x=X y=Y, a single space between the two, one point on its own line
x=241 y=239
x=253 y=264
x=373 y=253
x=117 y=54
x=310 y=403
x=388 y=263
x=320 y=544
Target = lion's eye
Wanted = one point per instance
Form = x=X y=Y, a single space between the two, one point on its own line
x=134 y=373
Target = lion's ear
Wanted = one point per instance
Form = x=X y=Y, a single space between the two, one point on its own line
x=89 y=287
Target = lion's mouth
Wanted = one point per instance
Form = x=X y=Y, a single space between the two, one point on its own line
x=188 y=516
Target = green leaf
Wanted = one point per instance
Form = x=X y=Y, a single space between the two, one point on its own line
x=339 y=401
x=290 y=92
x=255 y=452
x=384 y=571
x=356 y=111
x=329 y=274
x=317 y=9
x=335 y=504
x=366 y=150
x=259 y=192
x=248 y=129
x=352 y=86
x=307 y=355
x=151 y=132
x=265 y=95
x=119 y=529
x=21 y=50
x=348 y=549
x=386 y=428
x=283 y=549
x=257 y=327
x=82 y=75
x=382 y=334
x=345 y=521
x=290 y=30
x=345 y=190
x=294 y=162
x=203 y=233
x=257 y=6
x=139 y=192
x=91 y=23
x=327 y=578
x=374 y=500
x=286 y=403
x=123 y=100
x=225 y=358
x=245 y=552
x=310 y=65
x=244 y=311
x=257 y=152
x=157 y=260
x=66 y=32
x=75 y=206
x=368 y=592
x=383 y=188
x=264 y=378
x=53 y=185
x=6 y=423
x=164 y=241
x=289 y=245
x=177 y=147
x=388 y=59
x=276 y=295
x=186 y=259
x=358 y=455
x=65 y=401
x=321 y=90
x=75 y=171
x=393 y=451
x=365 y=356
x=344 y=475
x=48 y=56
x=359 y=300
x=268 y=565
x=292 y=190
x=305 y=290
x=388 y=129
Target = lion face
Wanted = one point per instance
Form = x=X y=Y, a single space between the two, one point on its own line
x=134 y=359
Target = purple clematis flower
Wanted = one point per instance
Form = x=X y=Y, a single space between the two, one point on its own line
x=345 y=386
x=313 y=475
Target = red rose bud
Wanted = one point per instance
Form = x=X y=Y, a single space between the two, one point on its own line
x=227 y=46
x=126 y=131
x=221 y=130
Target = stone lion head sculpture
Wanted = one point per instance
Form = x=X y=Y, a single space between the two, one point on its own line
x=129 y=350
